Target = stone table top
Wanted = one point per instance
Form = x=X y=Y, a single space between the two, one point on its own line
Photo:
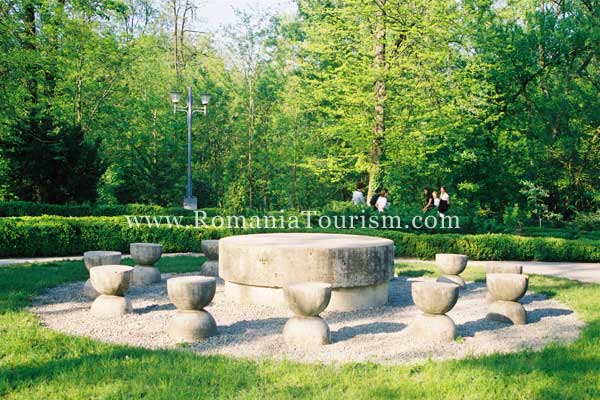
x=306 y=240
x=279 y=259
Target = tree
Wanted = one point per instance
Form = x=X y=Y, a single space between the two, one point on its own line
x=474 y=95
x=536 y=197
x=249 y=53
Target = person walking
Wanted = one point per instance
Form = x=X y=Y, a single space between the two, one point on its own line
x=382 y=203
x=428 y=200
x=375 y=197
x=444 y=201
x=358 y=198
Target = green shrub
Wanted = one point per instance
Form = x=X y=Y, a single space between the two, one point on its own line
x=26 y=208
x=587 y=221
x=59 y=236
x=489 y=246
x=592 y=235
x=513 y=217
x=550 y=232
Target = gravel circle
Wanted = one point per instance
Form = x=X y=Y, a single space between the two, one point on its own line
x=374 y=335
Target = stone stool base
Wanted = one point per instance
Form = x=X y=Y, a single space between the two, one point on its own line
x=89 y=291
x=106 y=306
x=504 y=269
x=507 y=311
x=145 y=275
x=191 y=326
x=306 y=331
x=210 y=268
x=433 y=328
x=342 y=299
x=457 y=280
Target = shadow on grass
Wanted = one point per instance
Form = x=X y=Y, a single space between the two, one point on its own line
x=141 y=373
x=556 y=372
x=38 y=361
x=19 y=283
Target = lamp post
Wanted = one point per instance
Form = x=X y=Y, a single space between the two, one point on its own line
x=189 y=202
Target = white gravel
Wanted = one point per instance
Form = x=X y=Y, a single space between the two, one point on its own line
x=376 y=335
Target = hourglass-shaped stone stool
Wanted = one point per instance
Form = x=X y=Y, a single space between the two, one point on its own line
x=307 y=301
x=451 y=266
x=210 y=248
x=111 y=281
x=507 y=289
x=191 y=294
x=501 y=269
x=435 y=299
x=145 y=256
x=93 y=259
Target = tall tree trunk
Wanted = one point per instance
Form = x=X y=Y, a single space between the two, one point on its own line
x=79 y=89
x=176 y=37
x=250 y=140
x=30 y=44
x=380 y=97
x=155 y=137
x=294 y=198
x=266 y=193
x=182 y=28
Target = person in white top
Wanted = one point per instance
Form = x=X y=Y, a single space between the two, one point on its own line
x=358 y=198
x=381 y=203
x=444 y=204
x=436 y=199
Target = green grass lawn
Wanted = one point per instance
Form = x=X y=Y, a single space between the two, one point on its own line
x=36 y=363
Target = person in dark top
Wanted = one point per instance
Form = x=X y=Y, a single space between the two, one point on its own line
x=429 y=205
x=375 y=197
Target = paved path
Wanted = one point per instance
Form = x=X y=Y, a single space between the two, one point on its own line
x=583 y=272
x=25 y=260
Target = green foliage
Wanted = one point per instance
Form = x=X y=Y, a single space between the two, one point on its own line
x=536 y=199
x=235 y=199
x=53 y=236
x=514 y=217
x=587 y=221
x=477 y=96
x=469 y=220
x=50 y=162
x=56 y=236
x=25 y=208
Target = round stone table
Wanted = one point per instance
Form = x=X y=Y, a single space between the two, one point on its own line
x=256 y=267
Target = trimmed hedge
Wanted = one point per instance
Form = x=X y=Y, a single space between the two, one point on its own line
x=489 y=246
x=59 y=236
x=26 y=208
x=495 y=247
